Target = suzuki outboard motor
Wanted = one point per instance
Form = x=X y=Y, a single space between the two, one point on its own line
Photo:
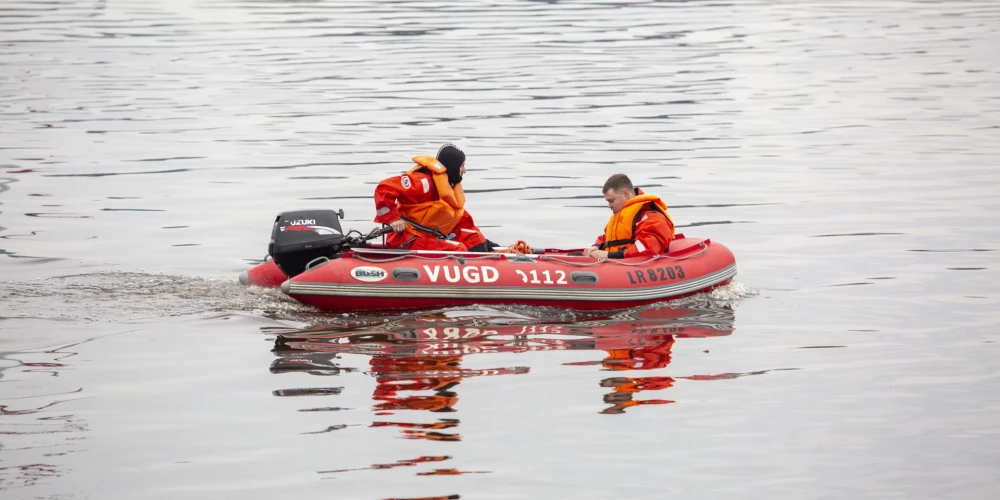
x=300 y=237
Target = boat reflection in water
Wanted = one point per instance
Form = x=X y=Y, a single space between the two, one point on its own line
x=416 y=359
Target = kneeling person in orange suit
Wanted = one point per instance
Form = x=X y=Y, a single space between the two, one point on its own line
x=639 y=224
x=426 y=206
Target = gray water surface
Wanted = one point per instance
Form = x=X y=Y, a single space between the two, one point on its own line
x=845 y=151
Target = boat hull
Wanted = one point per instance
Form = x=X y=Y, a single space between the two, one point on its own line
x=377 y=279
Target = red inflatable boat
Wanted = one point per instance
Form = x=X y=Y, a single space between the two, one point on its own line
x=367 y=279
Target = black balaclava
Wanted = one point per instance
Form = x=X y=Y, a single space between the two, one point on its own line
x=452 y=158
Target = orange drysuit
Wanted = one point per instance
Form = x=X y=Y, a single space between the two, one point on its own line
x=423 y=196
x=641 y=227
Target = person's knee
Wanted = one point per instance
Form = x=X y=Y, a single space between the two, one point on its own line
x=486 y=246
x=446 y=245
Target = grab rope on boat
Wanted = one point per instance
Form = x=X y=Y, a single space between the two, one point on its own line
x=520 y=247
x=702 y=250
x=460 y=258
x=381 y=261
x=570 y=263
x=519 y=256
x=701 y=245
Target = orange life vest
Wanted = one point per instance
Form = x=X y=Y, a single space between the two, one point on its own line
x=441 y=214
x=620 y=231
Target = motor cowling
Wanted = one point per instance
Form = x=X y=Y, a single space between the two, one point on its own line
x=301 y=236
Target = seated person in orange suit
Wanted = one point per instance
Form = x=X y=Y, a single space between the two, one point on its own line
x=639 y=225
x=426 y=206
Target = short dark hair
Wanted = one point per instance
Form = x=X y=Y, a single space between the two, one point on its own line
x=618 y=183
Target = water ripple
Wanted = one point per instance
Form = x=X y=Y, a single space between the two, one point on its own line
x=796 y=133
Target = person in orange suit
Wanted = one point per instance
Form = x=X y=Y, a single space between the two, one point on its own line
x=639 y=224
x=425 y=206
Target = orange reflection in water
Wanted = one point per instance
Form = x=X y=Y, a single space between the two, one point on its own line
x=451 y=472
x=416 y=361
x=397 y=376
x=447 y=497
x=398 y=463
x=413 y=355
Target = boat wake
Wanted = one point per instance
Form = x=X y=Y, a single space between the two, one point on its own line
x=129 y=296
x=728 y=295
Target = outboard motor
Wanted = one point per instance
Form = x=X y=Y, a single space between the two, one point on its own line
x=300 y=237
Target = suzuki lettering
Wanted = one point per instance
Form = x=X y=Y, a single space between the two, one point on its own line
x=468 y=274
x=368 y=274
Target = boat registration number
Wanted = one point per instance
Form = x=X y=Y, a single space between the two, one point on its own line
x=556 y=277
x=655 y=274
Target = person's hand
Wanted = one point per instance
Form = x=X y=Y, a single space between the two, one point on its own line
x=398 y=226
x=599 y=254
x=588 y=251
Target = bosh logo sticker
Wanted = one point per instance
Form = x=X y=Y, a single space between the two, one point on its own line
x=369 y=274
x=405 y=180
